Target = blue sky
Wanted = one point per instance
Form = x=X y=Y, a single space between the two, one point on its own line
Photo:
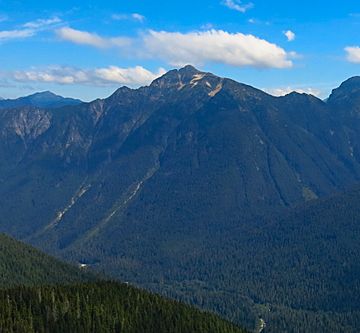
x=87 y=50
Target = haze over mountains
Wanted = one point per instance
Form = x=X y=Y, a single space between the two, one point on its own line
x=167 y=186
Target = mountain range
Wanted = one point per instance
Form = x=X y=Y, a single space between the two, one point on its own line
x=170 y=185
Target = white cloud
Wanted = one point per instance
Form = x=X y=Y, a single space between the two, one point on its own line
x=28 y=29
x=16 y=34
x=134 y=16
x=132 y=76
x=353 y=54
x=217 y=46
x=138 y=17
x=92 y=39
x=40 y=23
x=287 y=90
x=112 y=75
x=237 y=5
x=289 y=35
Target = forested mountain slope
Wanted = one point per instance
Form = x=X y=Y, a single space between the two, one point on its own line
x=155 y=184
x=21 y=264
x=42 y=294
x=101 y=307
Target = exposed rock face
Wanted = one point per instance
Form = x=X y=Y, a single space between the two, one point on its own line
x=29 y=123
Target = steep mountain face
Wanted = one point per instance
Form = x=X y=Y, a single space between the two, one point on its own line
x=191 y=148
x=145 y=177
x=45 y=99
x=347 y=97
x=22 y=264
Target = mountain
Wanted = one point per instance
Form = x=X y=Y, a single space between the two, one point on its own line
x=61 y=298
x=45 y=99
x=21 y=264
x=154 y=152
x=148 y=184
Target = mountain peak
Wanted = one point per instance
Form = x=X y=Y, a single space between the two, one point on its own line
x=44 y=93
x=189 y=69
x=348 y=89
x=179 y=78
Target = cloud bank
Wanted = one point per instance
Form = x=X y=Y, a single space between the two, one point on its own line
x=217 y=46
x=287 y=90
x=112 y=75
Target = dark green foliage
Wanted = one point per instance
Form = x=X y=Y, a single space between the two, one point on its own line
x=299 y=271
x=21 y=264
x=101 y=307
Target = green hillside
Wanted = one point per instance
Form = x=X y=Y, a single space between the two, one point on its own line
x=21 y=264
x=101 y=307
x=41 y=294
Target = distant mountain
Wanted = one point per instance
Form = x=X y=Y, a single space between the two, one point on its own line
x=21 y=264
x=44 y=99
x=138 y=183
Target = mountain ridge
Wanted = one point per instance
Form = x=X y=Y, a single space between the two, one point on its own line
x=44 y=99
